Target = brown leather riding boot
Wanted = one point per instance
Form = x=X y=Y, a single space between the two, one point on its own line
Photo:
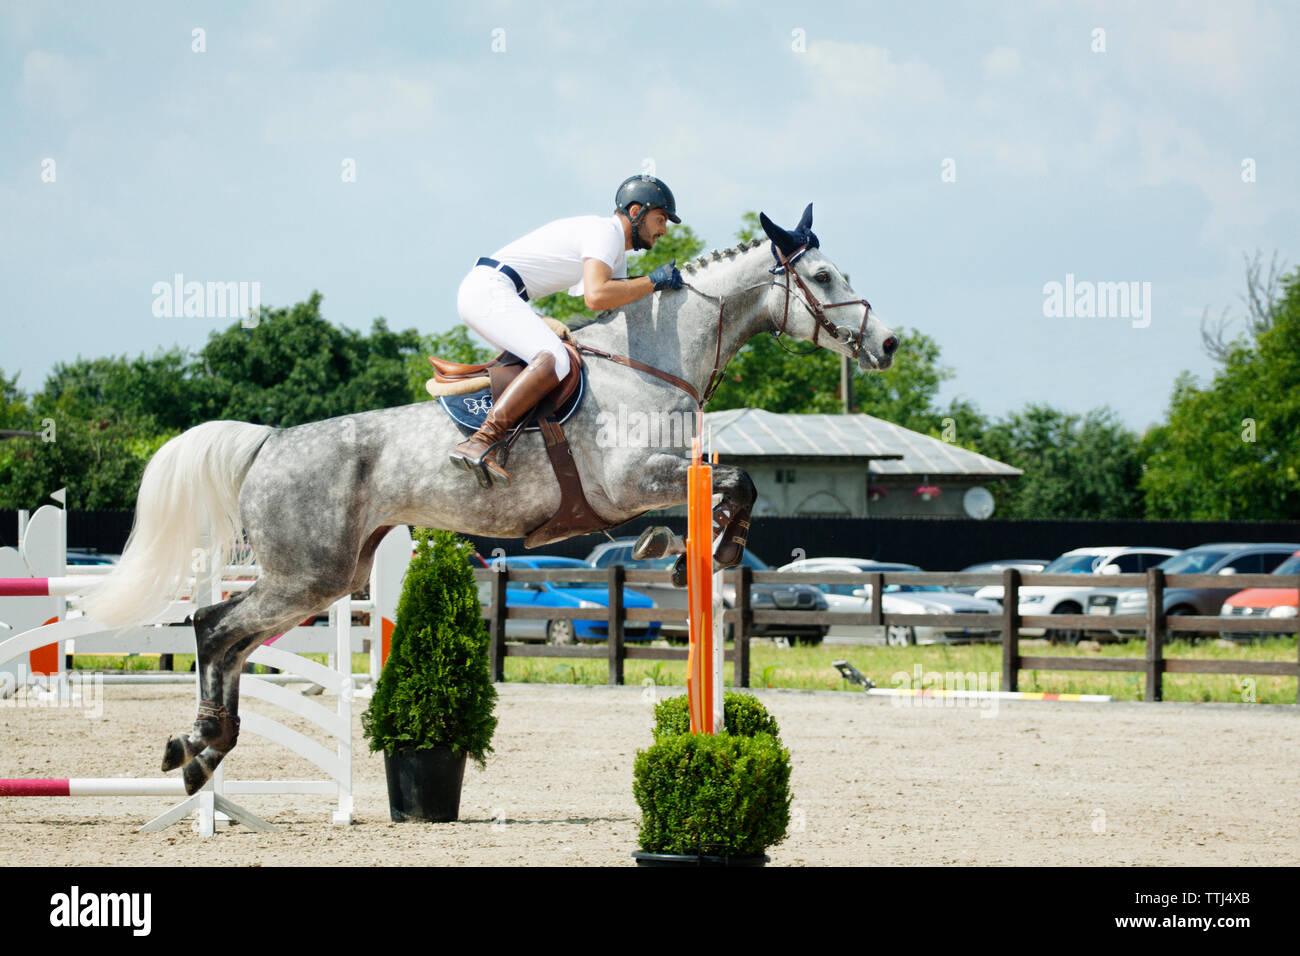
x=478 y=452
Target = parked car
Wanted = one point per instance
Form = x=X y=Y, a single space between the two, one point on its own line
x=898 y=599
x=1040 y=599
x=1224 y=559
x=768 y=597
x=565 y=594
x=1275 y=603
x=86 y=557
x=1023 y=565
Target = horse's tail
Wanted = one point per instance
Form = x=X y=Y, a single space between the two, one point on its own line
x=191 y=485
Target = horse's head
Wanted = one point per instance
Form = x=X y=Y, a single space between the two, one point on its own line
x=814 y=301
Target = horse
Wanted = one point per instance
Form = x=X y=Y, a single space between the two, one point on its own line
x=313 y=501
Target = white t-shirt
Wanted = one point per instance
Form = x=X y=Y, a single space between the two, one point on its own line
x=550 y=258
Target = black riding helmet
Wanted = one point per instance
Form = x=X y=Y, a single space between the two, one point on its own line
x=649 y=192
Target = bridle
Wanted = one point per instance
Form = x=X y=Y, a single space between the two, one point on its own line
x=803 y=294
x=816 y=308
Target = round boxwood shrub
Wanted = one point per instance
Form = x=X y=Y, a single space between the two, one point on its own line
x=436 y=689
x=713 y=794
x=742 y=715
x=722 y=794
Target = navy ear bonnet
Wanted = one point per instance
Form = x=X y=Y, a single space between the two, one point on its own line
x=790 y=241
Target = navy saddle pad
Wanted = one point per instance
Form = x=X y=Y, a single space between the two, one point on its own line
x=470 y=410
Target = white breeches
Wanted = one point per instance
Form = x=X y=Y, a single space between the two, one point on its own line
x=488 y=304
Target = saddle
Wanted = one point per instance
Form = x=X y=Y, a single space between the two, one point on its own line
x=498 y=374
x=574 y=515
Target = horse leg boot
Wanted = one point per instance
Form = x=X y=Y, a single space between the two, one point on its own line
x=731 y=549
x=226 y=715
x=478 y=452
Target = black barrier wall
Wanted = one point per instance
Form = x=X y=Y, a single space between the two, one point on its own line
x=935 y=544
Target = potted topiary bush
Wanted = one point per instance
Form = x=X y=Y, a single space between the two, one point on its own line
x=432 y=707
x=712 y=799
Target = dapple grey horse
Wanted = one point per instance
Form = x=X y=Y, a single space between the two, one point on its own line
x=314 y=500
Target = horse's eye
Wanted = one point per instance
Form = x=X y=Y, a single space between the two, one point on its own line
x=823 y=277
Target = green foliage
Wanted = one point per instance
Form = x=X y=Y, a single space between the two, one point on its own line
x=294 y=366
x=722 y=794
x=1075 y=467
x=13 y=403
x=100 y=462
x=713 y=794
x=435 y=690
x=742 y=715
x=162 y=393
x=765 y=375
x=1231 y=450
x=750 y=228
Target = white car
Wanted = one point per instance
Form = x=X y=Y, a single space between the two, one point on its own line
x=898 y=599
x=1039 y=599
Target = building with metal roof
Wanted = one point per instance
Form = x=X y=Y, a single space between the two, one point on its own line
x=851 y=466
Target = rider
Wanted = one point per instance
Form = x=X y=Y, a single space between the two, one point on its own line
x=586 y=255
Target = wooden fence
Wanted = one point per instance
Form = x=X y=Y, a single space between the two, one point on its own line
x=743 y=617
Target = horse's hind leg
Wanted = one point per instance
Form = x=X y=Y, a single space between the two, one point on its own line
x=226 y=634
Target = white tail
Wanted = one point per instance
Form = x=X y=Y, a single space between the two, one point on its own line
x=190 y=486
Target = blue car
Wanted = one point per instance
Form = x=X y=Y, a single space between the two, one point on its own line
x=565 y=594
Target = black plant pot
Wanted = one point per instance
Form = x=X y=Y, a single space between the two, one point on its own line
x=424 y=784
x=691 y=859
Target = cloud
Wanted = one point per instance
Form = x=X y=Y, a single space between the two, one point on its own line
x=860 y=72
x=350 y=105
x=1003 y=61
x=54 y=83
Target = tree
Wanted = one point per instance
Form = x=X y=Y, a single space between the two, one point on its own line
x=1262 y=299
x=1073 y=467
x=99 y=461
x=1231 y=450
x=295 y=367
x=13 y=403
x=162 y=390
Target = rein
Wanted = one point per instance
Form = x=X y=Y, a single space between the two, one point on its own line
x=803 y=294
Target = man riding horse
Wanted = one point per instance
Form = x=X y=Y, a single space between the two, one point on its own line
x=587 y=255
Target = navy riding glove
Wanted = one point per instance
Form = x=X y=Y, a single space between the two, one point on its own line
x=666 y=277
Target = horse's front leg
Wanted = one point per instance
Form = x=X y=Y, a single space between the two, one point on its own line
x=731 y=514
x=736 y=495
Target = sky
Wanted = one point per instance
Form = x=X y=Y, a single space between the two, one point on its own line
x=961 y=158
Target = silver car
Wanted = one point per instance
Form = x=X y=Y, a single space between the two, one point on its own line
x=762 y=597
x=898 y=599
x=1222 y=559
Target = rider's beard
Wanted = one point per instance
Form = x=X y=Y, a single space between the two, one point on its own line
x=638 y=241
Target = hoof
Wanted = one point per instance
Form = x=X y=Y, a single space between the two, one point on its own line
x=655 y=542
x=175 y=754
x=199 y=770
x=679 y=572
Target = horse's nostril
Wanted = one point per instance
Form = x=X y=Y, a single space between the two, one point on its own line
x=890 y=345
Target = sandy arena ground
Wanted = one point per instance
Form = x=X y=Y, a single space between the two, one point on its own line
x=873 y=783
